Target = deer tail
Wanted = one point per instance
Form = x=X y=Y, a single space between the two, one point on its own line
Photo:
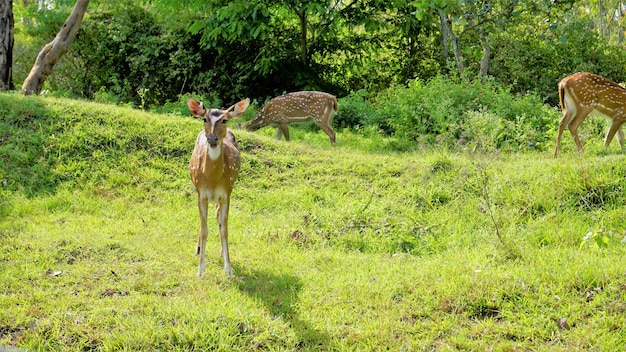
x=562 y=95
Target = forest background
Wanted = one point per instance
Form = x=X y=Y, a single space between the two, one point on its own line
x=418 y=70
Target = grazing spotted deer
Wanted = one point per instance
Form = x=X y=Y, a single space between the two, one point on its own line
x=297 y=107
x=583 y=93
x=214 y=166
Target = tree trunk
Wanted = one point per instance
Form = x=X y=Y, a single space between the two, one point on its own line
x=51 y=52
x=620 y=31
x=6 y=44
x=304 y=55
x=484 y=61
x=601 y=15
x=444 y=34
x=455 y=46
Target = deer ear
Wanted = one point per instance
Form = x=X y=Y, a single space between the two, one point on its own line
x=196 y=107
x=236 y=110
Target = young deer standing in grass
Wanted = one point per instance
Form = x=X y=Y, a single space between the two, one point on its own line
x=583 y=93
x=214 y=166
x=297 y=107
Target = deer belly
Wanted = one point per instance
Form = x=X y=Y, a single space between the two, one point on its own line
x=609 y=114
x=298 y=119
x=213 y=195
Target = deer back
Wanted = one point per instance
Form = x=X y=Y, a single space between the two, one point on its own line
x=295 y=107
x=588 y=90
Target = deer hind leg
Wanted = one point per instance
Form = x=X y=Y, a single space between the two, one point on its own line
x=574 y=123
x=329 y=131
x=221 y=210
x=200 y=249
x=564 y=122
x=616 y=126
x=328 y=126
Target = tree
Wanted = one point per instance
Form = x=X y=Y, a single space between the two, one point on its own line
x=274 y=46
x=459 y=18
x=124 y=53
x=51 y=52
x=607 y=16
x=6 y=44
x=443 y=9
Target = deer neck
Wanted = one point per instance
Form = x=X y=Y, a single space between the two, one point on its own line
x=213 y=162
x=215 y=154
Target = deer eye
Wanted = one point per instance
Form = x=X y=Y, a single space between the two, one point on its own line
x=224 y=121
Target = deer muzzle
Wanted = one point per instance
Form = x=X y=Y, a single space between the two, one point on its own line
x=254 y=124
x=212 y=139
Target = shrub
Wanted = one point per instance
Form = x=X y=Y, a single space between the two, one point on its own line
x=455 y=112
x=355 y=110
x=529 y=62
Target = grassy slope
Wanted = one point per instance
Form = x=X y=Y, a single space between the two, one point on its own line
x=343 y=248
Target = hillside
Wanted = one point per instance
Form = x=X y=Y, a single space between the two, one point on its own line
x=353 y=247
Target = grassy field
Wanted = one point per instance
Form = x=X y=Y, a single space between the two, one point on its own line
x=356 y=247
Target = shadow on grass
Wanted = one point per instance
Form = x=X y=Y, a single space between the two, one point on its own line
x=279 y=293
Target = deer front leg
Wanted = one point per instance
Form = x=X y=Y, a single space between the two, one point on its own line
x=284 y=130
x=221 y=210
x=200 y=249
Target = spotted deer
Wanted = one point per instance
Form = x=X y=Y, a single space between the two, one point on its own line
x=213 y=167
x=297 y=107
x=584 y=93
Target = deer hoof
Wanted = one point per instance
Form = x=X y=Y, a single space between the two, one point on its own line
x=229 y=272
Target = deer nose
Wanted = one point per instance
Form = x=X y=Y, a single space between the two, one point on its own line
x=212 y=139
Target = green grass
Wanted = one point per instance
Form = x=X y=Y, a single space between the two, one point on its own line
x=356 y=247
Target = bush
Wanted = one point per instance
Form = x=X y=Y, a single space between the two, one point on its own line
x=355 y=110
x=454 y=112
x=528 y=62
x=124 y=55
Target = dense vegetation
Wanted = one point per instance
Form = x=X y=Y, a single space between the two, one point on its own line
x=385 y=249
x=129 y=52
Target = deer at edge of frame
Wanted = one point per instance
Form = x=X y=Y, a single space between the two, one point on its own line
x=584 y=93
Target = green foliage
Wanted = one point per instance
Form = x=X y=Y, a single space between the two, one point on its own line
x=35 y=26
x=596 y=240
x=356 y=110
x=456 y=113
x=129 y=55
x=535 y=59
x=259 y=48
